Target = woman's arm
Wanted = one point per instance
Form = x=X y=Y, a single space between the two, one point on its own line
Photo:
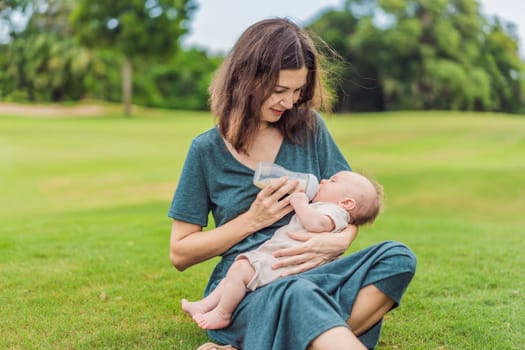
x=316 y=250
x=190 y=245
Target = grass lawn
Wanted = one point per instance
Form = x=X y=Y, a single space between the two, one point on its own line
x=84 y=233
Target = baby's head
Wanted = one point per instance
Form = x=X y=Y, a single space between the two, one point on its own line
x=361 y=197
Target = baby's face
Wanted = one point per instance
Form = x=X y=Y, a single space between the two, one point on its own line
x=337 y=187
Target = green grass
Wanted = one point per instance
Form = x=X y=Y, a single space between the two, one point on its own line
x=84 y=233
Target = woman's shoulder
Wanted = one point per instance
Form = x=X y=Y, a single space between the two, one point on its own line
x=318 y=127
x=319 y=120
x=208 y=138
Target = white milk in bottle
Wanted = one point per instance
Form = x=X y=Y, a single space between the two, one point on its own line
x=268 y=172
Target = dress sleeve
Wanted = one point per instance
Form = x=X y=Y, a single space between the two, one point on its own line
x=331 y=159
x=191 y=201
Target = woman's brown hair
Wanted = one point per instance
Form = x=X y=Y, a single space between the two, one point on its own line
x=249 y=74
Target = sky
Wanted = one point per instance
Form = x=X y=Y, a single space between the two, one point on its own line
x=217 y=24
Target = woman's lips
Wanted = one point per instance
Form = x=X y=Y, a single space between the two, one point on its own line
x=277 y=112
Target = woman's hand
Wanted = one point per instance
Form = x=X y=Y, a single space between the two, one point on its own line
x=189 y=244
x=272 y=203
x=315 y=250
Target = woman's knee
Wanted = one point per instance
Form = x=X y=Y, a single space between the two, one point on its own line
x=402 y=256
x=299 y=292
x=297 y=286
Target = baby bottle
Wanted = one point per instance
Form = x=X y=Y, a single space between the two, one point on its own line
x=266 y=172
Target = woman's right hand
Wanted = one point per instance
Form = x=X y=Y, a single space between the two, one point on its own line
x=272 y=202
x=190 y=245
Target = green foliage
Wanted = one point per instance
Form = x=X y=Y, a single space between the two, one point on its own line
x=145 y=29
x=414 y=54
x=138 y=30
x=8 y=9
x=44 y=68
x=84 y=234
x=42 y=62
x=45 y=63
x=398 y=54
x=181 y=83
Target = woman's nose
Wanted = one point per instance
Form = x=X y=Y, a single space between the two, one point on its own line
x=287 y=102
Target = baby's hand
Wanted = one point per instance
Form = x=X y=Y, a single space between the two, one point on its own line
x=297 y=198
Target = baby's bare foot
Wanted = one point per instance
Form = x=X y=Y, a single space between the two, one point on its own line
x=212 y=320
x=192 y=307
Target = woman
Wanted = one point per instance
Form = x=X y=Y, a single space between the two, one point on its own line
x=264 y=97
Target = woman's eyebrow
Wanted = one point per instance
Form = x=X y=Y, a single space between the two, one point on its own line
x=286 y=87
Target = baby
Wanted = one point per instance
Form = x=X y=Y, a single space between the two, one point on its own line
x=347 y=197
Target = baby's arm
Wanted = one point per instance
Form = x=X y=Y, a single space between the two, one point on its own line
x=312 y=219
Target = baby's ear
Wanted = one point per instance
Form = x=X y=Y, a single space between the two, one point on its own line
x=347 y=203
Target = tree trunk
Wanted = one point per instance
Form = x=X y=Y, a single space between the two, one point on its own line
x=127 y=72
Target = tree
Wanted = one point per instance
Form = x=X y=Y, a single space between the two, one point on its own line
x=501 y=61
x=139 y=30
x=431 y=54
x=9 y=9
x=40 y=61
x=181 y=83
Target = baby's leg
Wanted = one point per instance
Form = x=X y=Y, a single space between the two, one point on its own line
x=233 y=291
x=204 y=305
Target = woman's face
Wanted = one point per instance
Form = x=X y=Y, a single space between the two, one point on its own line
x=285 y=94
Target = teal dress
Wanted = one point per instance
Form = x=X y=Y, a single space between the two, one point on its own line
x=289 y=313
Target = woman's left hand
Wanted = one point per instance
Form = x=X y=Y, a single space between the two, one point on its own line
x=315 y=250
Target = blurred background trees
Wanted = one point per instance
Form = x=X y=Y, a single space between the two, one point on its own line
x=424 y=54
x=141 y=32
x=68 y=50
x=396 y=54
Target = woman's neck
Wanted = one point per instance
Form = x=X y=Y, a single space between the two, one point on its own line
x=264 y=147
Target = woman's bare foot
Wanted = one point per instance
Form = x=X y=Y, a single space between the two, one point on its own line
x=212 y=320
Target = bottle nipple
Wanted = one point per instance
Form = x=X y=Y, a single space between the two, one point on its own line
x=312 y=186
